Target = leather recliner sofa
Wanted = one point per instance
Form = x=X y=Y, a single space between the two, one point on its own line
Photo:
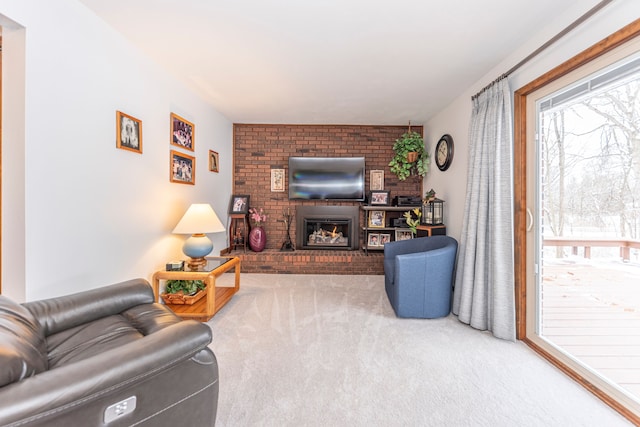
x=104 y=357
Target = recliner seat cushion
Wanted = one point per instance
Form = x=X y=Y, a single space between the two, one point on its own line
x=22 y=343
x=98 y=336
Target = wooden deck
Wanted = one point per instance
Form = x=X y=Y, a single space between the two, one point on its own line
x=591 y=310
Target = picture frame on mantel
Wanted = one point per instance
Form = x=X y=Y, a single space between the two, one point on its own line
x=239 y=204
x=379 y=198
x=376 y=219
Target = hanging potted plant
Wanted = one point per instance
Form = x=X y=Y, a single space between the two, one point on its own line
x=410 y=156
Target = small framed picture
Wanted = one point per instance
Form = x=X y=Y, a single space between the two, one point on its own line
x=213 y=161
x=128 y=133
x=403 y=235
x=380 y=198
x=376 y=180
x=239 y=204
x=182 y=168
x=384 y=238
x=277 y=180
x=374 y=239
x=376 y=218
x=182 y=132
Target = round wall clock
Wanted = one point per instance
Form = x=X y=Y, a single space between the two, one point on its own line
x=444 y=152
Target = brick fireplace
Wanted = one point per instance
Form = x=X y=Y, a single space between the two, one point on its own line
x=258 y=148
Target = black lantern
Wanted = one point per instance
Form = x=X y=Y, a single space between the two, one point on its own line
x=433 y=212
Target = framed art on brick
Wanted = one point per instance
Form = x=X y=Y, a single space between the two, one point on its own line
x=277 y=180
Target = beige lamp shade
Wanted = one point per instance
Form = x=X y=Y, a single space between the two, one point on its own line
x=200 y=218
x=197 y=221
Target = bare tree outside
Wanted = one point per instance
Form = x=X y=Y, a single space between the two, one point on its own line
x=589 y=169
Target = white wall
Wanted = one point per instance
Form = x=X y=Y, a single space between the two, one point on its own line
x=93 y=214
x=451 y=185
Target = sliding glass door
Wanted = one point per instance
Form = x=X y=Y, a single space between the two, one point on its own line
x=583 y=233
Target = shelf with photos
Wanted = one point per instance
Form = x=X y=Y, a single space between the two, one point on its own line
x=384 y=223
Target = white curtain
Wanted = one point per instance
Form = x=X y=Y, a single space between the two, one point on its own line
x=484 y=289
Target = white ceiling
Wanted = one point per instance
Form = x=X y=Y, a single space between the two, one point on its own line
x=329 y=61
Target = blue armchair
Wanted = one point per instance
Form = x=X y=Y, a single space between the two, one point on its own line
x=418 y=276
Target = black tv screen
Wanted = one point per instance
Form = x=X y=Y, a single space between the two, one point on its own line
x=331 y=178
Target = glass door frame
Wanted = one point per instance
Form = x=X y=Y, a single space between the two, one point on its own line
x=523 y=220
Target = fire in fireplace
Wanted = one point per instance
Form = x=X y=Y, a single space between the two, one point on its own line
x=327 y=233
x=327 y=227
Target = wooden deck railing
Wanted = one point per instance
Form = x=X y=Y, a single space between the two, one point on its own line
x=625 y=245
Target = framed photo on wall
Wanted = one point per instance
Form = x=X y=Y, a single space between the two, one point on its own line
x=239 y=204
x=380 y=198
x=277 y=180
x=214 y=161
x=182 y=132
x=128 y=132
x=376 y=180
x=182 y=168
x=376 y=219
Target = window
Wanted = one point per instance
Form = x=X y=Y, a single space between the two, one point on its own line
x=577 y=180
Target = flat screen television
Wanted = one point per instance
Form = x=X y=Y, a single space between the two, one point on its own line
x=326 y=178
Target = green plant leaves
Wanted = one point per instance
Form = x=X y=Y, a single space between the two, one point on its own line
x=399 y=165
x=188 y=287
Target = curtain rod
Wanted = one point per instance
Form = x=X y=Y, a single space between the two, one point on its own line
x=551 y=41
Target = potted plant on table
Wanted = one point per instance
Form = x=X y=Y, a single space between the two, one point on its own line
x=183 y=291
x=410 y=157
x=412 y=222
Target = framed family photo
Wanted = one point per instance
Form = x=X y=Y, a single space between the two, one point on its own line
x=404 y=235
x=182 y=168
x=239 y=204
x=128 y=132
x=277 y=180
x=376 y=219
x=384 y=238
x=373 y=240
x=214 y=161
x=380 y=198
x=182 y=132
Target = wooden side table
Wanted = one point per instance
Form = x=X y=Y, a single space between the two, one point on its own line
x=431 y=230
x=217 y=296
x=238 y=231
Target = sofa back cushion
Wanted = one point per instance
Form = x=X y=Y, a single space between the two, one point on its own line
x=22 y=343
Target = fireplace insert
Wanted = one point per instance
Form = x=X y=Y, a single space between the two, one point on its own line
x=327 y=227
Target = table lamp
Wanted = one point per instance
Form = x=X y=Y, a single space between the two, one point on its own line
x=198 y=220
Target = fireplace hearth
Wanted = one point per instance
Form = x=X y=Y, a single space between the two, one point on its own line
x=327 y=227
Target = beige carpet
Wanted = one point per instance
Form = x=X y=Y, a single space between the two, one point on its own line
x=312 y=350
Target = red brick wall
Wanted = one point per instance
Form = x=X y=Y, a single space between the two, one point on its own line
x=260 y=148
